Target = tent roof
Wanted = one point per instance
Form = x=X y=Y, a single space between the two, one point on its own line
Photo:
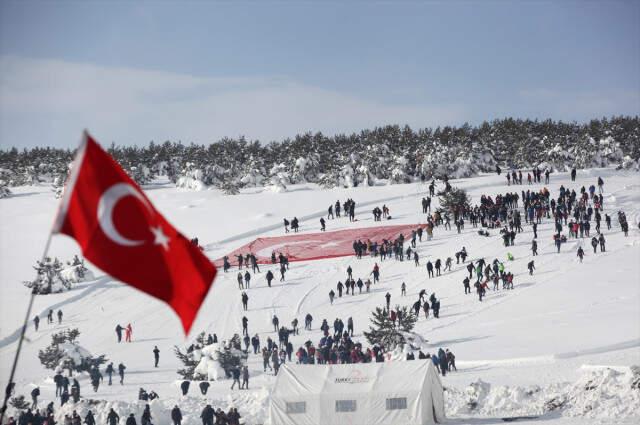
x=389 y=377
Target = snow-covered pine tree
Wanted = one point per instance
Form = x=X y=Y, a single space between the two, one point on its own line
x=384 y=331
x=231 y=355
x=58 y=186
x=49 y=280
x=279 y=178
x=140 y=174
x=188 y=361
x=229 y=186
x=455 y=199
x=19 y=402
x=64 y=352
x=4 y=190
x=328 y=180
x=190 y=358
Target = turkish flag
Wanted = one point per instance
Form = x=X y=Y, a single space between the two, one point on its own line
x=120 y=231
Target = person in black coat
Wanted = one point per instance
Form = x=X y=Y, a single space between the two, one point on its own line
x=121 y=369
x=89 y=419
x=112 y=417
x=176 y=415
x=34 y=397
x=131 y=420
x=235 y=372
x=207 y=415
x=156 y=355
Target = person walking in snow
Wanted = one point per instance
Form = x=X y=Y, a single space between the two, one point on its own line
x=112 y=417
x=59 y=317
x=269 y=277
x=403 y=289
x=600 y=185
x=245 y=301
x=531 y=266
x=34 y=397
x=245 y=324
x=235 y=372
x=110 y=371
x=36 y=322
x=88 y=420
x=430 y=269
x=121 y=369
x=580 y=253
x=594 y=244
x=534 y=247
x=245 y=378
x=438 y=265
x=176 y=415
x=331 y=296
x=467 y=288
x=388 y=298
x=448 y=263
x=602 y=241
x=322 y=224
x=286 y=225
x=156 y=356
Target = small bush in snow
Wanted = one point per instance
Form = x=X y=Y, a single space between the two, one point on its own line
x=65 y=353
x=19 y=403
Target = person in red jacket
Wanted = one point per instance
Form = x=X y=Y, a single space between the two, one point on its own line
x=127 y=332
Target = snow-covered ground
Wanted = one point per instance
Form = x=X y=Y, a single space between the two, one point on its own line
x=545 y=340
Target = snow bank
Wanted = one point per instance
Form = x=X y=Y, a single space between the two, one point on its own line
x=603 y=393
x=252 y=406
x=77 y=274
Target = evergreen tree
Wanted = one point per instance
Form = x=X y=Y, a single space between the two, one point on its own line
x=454 y=199
x=229 y=187
x=64 y=352
x=48 y=279
x=190 y=358
x=19 y=402
x=4 y=190
x=189 y=363
x=231 y=356
x=384 y=331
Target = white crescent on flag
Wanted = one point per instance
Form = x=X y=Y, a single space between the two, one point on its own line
x=107 y=203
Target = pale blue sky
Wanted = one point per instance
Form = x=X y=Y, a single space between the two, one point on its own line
x=197 y=71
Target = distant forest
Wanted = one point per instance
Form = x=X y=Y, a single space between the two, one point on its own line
x=391 y=153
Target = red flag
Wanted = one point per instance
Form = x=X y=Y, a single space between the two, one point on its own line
x=120 y=231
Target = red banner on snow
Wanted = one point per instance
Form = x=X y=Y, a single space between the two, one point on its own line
x=316 y=246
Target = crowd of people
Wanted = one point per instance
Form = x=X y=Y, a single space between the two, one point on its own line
x=570 y=209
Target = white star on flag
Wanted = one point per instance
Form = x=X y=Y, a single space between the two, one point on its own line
x=160 y=237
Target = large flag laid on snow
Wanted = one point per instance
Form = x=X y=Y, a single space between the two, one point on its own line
x=120 y=231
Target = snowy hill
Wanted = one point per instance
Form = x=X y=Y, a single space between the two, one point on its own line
x=540 y=342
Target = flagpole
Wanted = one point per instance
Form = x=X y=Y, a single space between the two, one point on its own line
x=7 y=393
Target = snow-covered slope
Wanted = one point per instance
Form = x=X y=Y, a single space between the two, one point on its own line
x=540 y=334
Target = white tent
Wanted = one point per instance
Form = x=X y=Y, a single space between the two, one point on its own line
x=391 y=393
